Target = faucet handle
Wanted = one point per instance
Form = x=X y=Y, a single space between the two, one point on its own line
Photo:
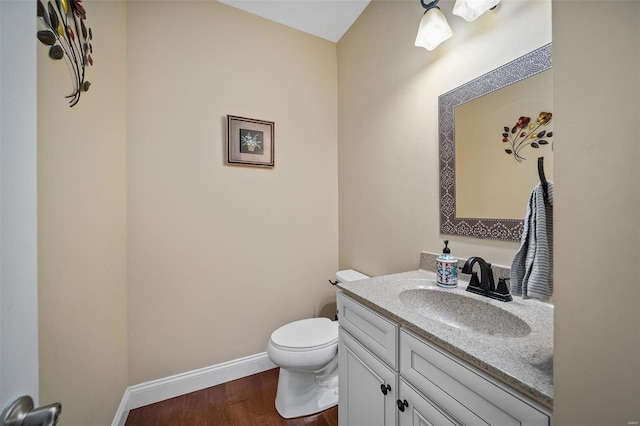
x=502 y=286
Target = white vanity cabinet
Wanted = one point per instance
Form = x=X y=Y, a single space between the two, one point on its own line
x=424 y=384
x=367 y=363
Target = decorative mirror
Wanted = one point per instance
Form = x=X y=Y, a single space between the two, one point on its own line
x=518 y=88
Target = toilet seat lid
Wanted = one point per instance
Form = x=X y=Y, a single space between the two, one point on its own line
x=305 y=334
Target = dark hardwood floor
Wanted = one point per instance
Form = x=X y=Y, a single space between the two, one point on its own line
x=249 y=401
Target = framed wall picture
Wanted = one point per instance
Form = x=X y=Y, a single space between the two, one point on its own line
x=250 y=141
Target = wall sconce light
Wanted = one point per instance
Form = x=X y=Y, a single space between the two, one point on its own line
x=470 y=10
x=434 y=28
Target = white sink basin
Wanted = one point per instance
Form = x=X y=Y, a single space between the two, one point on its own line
x=464 y=312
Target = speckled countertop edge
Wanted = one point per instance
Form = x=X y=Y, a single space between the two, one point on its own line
x=524 y=364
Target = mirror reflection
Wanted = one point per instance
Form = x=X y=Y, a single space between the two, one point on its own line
x=483 y=189
x=490 y=183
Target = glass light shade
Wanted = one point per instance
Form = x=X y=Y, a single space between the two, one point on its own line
x=471 y=9
x=433 y=29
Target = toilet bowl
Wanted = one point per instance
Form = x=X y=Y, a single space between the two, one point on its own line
x=307 y=353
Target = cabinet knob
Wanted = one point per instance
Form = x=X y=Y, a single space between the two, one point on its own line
x=385 y=388
x=402 y=405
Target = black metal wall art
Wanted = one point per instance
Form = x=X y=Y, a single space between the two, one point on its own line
x=68 y=37
x=525 y=133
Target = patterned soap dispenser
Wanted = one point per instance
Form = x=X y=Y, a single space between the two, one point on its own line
x=447 y=268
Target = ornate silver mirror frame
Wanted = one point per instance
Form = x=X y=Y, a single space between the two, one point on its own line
x=495 y=228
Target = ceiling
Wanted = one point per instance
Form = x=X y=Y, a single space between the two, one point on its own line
x=327 y=19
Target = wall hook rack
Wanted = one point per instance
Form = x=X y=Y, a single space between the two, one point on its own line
x=543 y=179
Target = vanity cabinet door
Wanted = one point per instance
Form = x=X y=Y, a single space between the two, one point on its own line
x=375 y=332
x=363 y=379
x=459 y=389
x=418 y=410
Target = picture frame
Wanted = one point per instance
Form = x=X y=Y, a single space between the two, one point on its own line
x=250 y=142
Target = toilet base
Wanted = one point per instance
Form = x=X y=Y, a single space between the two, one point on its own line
x=302 y=394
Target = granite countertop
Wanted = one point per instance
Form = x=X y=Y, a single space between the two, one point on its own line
x=523 y=363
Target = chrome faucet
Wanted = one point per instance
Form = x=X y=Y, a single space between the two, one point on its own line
x=485 y=286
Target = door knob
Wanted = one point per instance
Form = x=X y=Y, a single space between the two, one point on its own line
x=21 y=412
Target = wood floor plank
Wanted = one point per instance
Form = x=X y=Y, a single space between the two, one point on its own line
x=235 y=391
x=274 y=419
x=240 y=414
x=315 y=420
x=270 y=377
x=143 y=416
x=270 y=382
x=147 y=415
x=249 y=401
x=195 y=409
x=216 y=398
x=331 y=416
x=270 y=419
x=260 y=395
x=170 y=411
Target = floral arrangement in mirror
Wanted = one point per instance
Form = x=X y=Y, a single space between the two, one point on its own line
x=68 y=37
x=524 y=133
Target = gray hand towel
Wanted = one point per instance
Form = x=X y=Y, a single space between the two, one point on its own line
x=532 y=267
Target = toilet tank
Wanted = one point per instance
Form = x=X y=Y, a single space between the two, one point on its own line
x=347 y=275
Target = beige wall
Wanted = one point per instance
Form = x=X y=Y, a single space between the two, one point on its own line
x=220 y=256
x=82 y=228
x=388 y=103
x=597 y=239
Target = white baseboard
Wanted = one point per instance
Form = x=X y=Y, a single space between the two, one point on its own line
x=181 y=384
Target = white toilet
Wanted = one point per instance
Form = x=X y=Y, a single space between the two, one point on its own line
x=307 y=353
